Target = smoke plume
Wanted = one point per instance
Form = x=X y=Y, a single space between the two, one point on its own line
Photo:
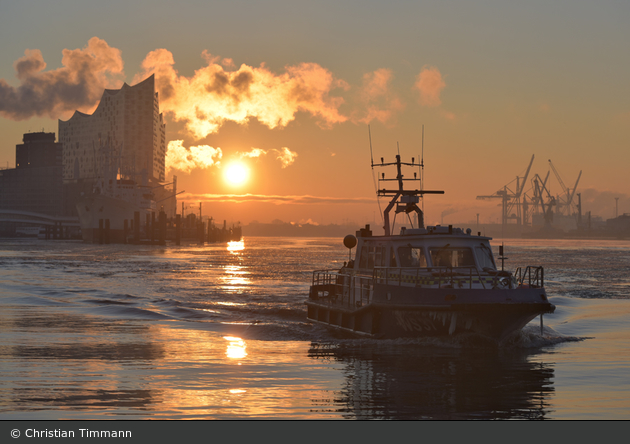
x=78 y=84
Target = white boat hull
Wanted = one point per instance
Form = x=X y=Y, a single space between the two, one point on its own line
x=103 y=218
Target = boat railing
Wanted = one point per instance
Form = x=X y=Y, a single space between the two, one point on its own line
x=430 y=276
x=345 y=289
x=531 y=276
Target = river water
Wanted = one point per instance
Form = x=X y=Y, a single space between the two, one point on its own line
x=220 y=332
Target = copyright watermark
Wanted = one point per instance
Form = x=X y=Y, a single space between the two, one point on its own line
x=68 y=433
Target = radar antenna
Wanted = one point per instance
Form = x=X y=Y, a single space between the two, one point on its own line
x=405 y=200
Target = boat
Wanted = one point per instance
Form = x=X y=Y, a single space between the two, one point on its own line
x=108 y=214
x=437 y=281
x=28 y=231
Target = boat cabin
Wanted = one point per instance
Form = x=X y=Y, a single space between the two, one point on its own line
x=434 y=247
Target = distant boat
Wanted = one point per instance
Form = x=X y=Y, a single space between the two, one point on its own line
x=424 y=281
x=105 y=210
x=28 y=231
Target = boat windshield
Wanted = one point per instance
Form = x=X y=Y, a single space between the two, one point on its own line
x=484 y=257
x=372 y=256
x=412 y=257
x=452 y=257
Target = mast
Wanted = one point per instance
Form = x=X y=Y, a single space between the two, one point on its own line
x=404 y=200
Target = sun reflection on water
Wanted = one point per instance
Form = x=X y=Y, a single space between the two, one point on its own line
x=235 y=278
x=235 y=246
x=236 y=349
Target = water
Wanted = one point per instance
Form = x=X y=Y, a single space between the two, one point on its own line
x=145 y=332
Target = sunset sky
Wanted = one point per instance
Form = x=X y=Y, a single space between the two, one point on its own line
x=288 y=88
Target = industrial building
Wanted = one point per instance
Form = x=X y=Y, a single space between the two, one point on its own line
x=35 y=184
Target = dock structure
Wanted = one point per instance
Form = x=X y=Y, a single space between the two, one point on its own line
x=158 y=230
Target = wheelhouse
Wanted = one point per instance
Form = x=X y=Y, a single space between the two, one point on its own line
x=434 y=247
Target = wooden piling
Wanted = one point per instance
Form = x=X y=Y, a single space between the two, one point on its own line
x=162 y=228
x=178 y=229
x=136 y=227
x=107 y=231
x=152 y=227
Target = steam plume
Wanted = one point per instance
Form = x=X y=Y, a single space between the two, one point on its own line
x=255 y=152
x=186 y=159
x=430 y=84
x=284 y=155
x=380 y=103
x=214 y=95
x=78 y=84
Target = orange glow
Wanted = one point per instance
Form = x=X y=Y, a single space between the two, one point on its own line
x=236 y=348
x=215 y=95
x=236 y=174
x=235 y=246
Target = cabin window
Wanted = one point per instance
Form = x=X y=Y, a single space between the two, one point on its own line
x=363 y=261
x=379 y=259
x=484 y=257
x=369 y=257
x=392 y=257
x=370 y=261
x=452 y=257
x=412 y=257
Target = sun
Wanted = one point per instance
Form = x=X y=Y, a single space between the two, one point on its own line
x=236 y=174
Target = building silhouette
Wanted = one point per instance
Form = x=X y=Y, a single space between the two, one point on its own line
x=121 y=145
x=35 y=184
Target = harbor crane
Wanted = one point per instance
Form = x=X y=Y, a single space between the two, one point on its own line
x=567 y=202
x=511 y=199
x=540 y=186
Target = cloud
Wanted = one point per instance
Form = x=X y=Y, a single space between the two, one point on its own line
x=214 y=95
x=377 y=99
x=275 y=199
x=284 y=155
x=186 y=159
x=430 y=85
x=218 y=92
x=254 y=153
x=77 y=85
x=448 y=115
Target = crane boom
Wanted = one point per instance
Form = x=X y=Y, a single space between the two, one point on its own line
x=575 y=187
x=564 y=188
x=567 y=192
x=519 y=192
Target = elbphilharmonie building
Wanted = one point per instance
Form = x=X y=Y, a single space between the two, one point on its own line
x=125 y=133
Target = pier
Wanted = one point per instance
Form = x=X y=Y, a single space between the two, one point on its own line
x=157 y=229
